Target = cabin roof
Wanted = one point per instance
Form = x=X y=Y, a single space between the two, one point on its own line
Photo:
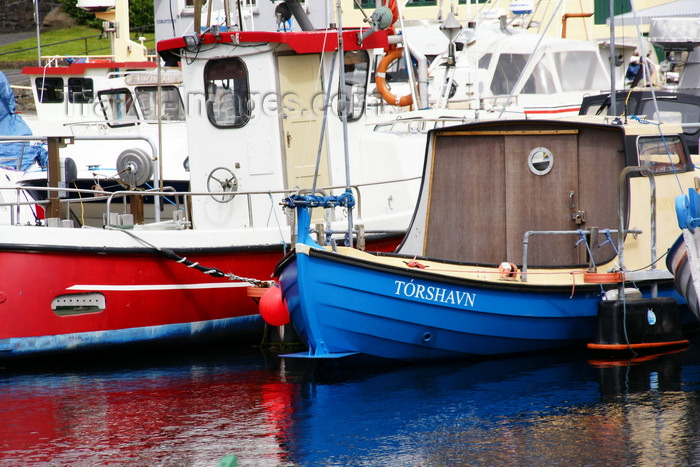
x=76 y=69
x=630 y=127
x=300 y=42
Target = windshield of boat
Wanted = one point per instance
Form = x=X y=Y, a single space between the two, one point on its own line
x=580 y=70
x=510 y=67
x=118 y=107
x=672 y=111
x=574 y=70
x=172 y=108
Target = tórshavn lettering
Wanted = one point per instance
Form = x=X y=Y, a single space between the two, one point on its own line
x=434 y=294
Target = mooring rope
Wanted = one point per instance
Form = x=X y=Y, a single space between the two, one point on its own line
x=210 y=271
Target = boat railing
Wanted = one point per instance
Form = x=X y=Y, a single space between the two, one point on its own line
x=593 y=232
x=181 y=200
x=653 y=271
x=81 y=58
x=54 y=202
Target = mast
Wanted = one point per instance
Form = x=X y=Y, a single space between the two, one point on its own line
x=613 y=97
x=344 y=115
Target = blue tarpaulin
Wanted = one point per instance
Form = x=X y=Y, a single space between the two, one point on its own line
x=12 y=124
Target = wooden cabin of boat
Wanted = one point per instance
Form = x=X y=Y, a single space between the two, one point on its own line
x=519 y=192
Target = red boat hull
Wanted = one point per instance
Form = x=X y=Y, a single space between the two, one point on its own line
x=140 y=290
x=146 y=297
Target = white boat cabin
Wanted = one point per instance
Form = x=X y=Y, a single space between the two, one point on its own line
x=495 y=68
x=263 y=117
x=116 y=93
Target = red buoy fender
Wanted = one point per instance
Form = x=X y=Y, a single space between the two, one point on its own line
x=380 y=80
x=272 y=307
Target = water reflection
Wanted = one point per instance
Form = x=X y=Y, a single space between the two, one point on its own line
x=196 y=409
x=185 y=413
x=646 y=400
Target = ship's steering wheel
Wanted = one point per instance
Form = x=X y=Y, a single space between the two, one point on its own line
x=222 y=183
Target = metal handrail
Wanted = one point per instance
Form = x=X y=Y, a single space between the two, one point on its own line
x=621 y=210
x=167 y=192
x=530 y=233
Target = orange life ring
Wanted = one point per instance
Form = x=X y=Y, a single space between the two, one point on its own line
x=380 y=80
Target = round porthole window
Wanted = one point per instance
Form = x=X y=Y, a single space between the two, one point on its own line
x=540 y=161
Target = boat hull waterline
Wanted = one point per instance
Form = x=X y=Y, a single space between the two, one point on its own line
x=96 y=299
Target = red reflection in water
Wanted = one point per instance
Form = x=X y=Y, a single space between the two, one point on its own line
x=147 y=418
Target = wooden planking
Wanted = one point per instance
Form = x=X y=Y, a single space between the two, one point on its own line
x=485 y=197
x=541 y=202
x=601 y=159
x=466 y=215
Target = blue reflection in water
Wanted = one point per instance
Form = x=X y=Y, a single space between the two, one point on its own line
x=195 y=409
x=437 y=414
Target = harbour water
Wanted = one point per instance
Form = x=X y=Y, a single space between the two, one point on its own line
x=261 y=410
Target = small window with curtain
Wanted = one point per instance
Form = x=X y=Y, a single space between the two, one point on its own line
x=356 y=73
x=226 y=92
x=80 y=90
x=49 y=90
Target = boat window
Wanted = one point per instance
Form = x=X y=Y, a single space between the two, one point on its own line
x=540 y=161
x=540 y=80
x=49 y=90
x=80 y=90
x=580 y=70
x=485 y=61
x=662 y=154
x=118 y=107
x=672 y=111
x=356 y=71
x=603 y=107
x=172 y=108
x=507 y=71
x=227 y=96
x=396 y=72
x=189 y=4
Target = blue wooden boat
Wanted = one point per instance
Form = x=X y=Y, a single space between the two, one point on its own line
x=513 y=246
